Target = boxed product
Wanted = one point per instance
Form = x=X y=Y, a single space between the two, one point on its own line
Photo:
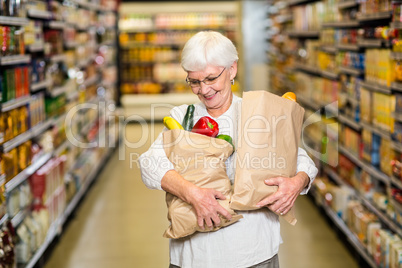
x=366 y=145
x=366 y=105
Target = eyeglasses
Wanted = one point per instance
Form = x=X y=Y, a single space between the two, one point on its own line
x=207 y=81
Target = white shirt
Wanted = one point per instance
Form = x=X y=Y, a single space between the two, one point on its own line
x=253 y=239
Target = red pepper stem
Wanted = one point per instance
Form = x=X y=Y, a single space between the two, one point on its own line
x=210 y=125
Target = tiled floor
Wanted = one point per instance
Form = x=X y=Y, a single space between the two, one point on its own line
x=120 y=224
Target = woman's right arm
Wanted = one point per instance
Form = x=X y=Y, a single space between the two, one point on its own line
x=203 y=200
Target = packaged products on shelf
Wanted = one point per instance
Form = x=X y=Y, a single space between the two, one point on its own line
x=15 y=83
x=366 y=145
x=375 y=150
x=374 y=6
x=383 y=108
x=23 y=249
x=366 y=186
x=366 y=105
x=387 y=154
x=351 y=140
x=307 y=18
x=37 y=109
x=379 y=67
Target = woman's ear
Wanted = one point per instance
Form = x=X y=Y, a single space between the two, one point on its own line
x=233 y=70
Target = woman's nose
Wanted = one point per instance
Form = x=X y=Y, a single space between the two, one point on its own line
x=203 y=88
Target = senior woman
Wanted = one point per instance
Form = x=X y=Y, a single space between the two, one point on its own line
x=210 y=60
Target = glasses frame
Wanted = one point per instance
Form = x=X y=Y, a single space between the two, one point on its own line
x=210 y=81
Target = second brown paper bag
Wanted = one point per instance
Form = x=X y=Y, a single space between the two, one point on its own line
x=269 y=133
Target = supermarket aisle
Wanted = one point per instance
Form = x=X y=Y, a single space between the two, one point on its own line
x=120 y=224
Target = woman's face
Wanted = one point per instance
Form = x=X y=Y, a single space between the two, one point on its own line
x=216 y=97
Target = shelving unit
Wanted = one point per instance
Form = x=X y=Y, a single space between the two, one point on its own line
x=333 y=66
x=150 y=43
x=71 y=84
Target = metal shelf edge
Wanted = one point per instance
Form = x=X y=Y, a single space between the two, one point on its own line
x=351 y=236
x=351 y=123
x=16 y=59
x=23 y=175
x=16 y=103
x=43 y=84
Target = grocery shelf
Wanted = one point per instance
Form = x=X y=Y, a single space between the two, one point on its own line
x=40 y=85
x=16 y=103
x=351 y=123
x=396 y=55
x=53 y=231
x=284 y=18
x=13 y=21
x=383 y=133
x=26 y=173
x=396 y=86
x=57 y=91
x=16 y=59
x=396 y=25
x=370 y=43
x=308 y=69
x=300 y=2
x=367 y=167
x=37 y=47
x=335 y=177
x=354 y=102
x=304 y=34
x=376 y=87
x=17 y=219
x=91 y=80
x=396 y=182
x=351 y=71
x=73 y=95
x=62 y=147
x=329 y=49
x=396 y=146
x=308 y=103
x=57 y=25
x=342 y=24
x=306 y=139
x=375 y=16
x=393 y=226
x=70 y=44
x=3 y=220
x=355 y=242
x=58 y=58
x=347 y=4
x=26 y=136
x=39 y=14
x=396 y=204
x=329 y=74
x=348 y=47
x=41 y=127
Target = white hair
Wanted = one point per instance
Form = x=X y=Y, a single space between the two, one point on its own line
x=208 y=48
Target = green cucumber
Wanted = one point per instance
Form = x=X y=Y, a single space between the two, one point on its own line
x=188 y=120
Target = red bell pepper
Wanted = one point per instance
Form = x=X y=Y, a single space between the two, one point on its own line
x=206 y=126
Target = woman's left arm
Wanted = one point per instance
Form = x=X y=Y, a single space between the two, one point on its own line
x=290 y=188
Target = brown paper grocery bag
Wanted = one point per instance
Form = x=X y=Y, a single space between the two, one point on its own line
x=269 y=133
x=201 y=160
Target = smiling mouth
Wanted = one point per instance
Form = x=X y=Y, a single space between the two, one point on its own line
x=210 y=96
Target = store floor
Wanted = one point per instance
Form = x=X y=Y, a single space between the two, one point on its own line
x=120 y=224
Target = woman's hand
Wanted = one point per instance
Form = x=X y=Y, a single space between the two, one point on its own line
x=288 y=190
x=206 y=206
